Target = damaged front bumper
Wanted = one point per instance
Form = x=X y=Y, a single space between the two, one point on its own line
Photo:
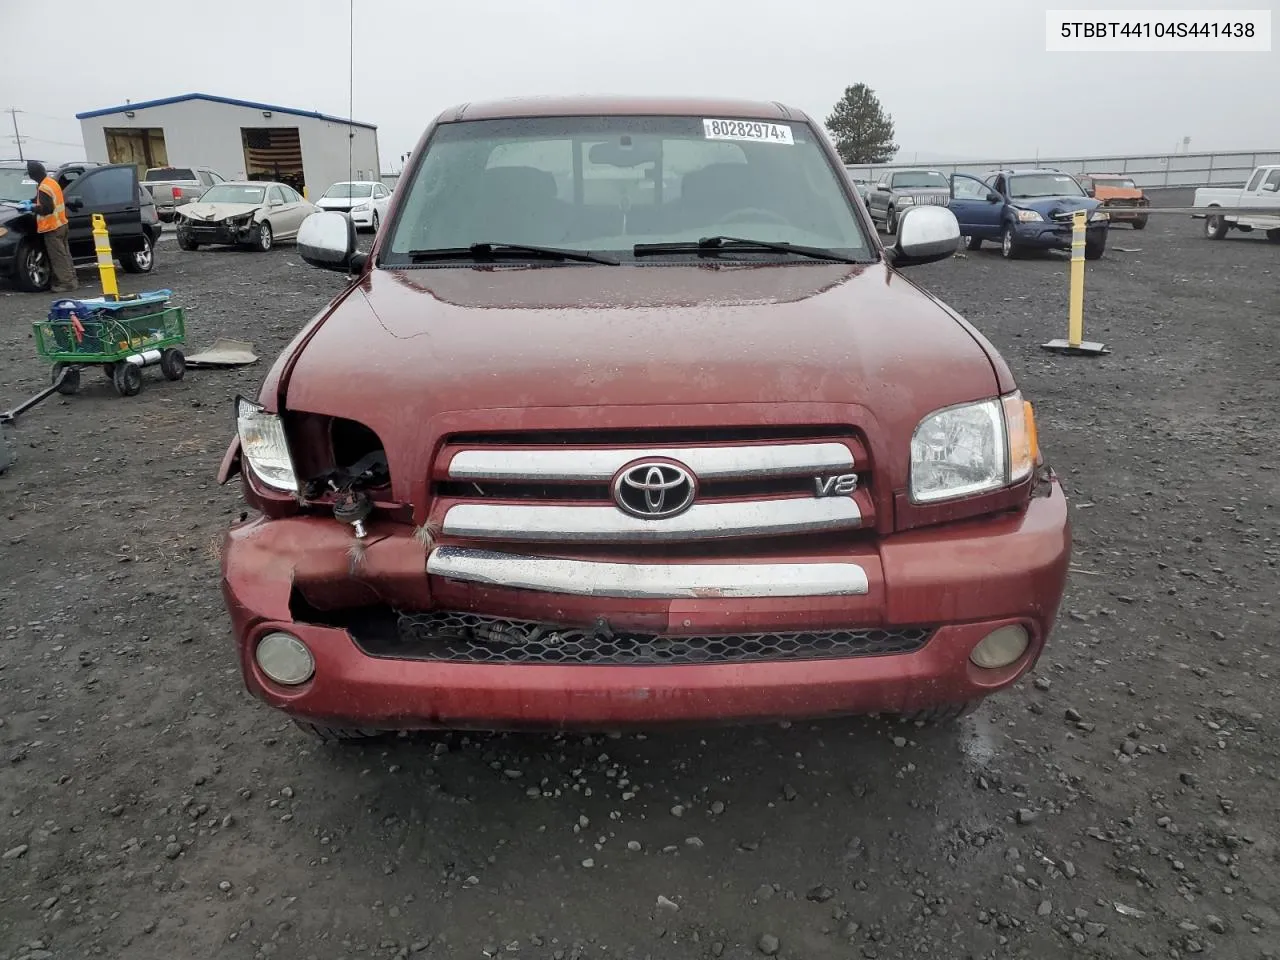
x=574 y=641
x=219 y=231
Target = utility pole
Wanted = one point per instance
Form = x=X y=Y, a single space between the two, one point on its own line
x=17 y=137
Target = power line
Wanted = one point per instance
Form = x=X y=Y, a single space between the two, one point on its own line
x=351 y=88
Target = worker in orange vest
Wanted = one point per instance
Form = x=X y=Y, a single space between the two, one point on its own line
x=51 y=223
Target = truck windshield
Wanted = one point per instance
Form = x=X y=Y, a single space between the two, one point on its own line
x=1121 y=182
x=606 y=184
x=920 y=178
x=1025 y=186
x=15 y=186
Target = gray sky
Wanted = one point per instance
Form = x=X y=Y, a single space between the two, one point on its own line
x=968 y=79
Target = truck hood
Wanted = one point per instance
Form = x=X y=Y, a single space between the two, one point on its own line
x=404 y=347
x=213 y=212
x=9 y=214
x=1050 y=207
x=1117 y=193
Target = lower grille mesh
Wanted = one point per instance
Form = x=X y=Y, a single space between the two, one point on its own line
x=471 y=638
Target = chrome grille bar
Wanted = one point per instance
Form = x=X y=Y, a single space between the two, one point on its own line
x=596 y=465
x=608 y=524
x=648 y=581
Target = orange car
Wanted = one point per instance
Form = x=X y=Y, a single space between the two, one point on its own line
x=1120 y=196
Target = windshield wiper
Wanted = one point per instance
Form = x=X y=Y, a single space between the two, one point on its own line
x=492 y=251
x=713 y=245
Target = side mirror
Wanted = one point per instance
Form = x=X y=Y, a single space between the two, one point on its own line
x=328 y=240
x=993 y=197
x=74 y=203
x=925 y=234
x=275 y=203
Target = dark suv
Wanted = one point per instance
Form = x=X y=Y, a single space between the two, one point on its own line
x=109 y=189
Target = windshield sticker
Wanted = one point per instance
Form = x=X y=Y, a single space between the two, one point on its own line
x=752 y=130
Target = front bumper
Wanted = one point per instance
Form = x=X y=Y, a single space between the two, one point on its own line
x=962 y=580
x=1127 y=214
x=1055 y=236
x=219 y=232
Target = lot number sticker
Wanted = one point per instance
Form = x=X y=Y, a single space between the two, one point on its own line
x=752 y=130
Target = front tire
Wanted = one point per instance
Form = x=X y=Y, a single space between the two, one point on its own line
x=376 y=221
x=1215 y=228
x=140 y=261
x=1274 y=235
x=72 y=382
x=1140 y=224
x=1094 y=251
x=265 y=239
x=186 y=243
x=128 y=379
x=974 y=243
x=1009 y=248
x=32 y=272
x=891 y=221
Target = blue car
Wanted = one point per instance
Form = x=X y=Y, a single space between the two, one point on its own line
x=1026 y=210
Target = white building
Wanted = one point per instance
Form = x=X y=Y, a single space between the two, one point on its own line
x=238 y=139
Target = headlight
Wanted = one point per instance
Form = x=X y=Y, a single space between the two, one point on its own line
x=906 y=201
x=3 y=231
x=1098 y=215
x=360 y=209
x=1028 y=216
x=263 y=445
x=973 y=448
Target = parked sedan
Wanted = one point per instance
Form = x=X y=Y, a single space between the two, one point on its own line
x=365 y=201
x=243 y=213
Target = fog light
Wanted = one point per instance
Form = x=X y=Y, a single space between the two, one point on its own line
x=285 y=659
x=1001 y=647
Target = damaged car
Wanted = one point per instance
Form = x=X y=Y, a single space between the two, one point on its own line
x=254 y=214
x=629 y=418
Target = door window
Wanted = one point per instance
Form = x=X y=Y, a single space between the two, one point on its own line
x=1273 y=179
x=109 y=186
x=1255 y=180
x=969 y=188
x=275 y=196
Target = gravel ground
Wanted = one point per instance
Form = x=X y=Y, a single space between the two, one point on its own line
x=1121 y=802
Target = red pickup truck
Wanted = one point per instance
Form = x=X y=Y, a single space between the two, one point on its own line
x=629 y=418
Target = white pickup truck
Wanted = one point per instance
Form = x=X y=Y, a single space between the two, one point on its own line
x=1262 y=190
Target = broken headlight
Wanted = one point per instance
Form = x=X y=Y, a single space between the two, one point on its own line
x=264 y=447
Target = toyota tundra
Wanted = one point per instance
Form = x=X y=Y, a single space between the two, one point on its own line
x=628 y=417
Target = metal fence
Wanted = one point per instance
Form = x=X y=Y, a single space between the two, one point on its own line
x=1147 y=171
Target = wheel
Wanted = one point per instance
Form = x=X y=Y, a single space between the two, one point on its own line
x=1274 y=235
x=1094 y=251
x=173 y=364
x=140 y=261
x=891 y=221
x=185 y=242
x=1008 y=247
x=110 y=370
x=344 y=735
x=376 y=221
x=71 y=384
x=31 y=271
x=1140 y=223
x=937 y=716
x=128 y=379
x=1215 y=228
x=265 y=238
x=974 y=243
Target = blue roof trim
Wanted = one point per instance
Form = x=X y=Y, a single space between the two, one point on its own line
x=144 y=104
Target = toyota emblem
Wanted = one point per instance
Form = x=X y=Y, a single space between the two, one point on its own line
x=653 y=489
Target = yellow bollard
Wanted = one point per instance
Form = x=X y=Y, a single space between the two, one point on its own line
x=106 y=263
x=1075 y=342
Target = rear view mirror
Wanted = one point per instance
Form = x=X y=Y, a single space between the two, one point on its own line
x=625 y=151
x=327 y=240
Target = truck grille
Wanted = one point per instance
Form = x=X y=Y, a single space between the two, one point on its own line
x=579 y=486
x=472 y=638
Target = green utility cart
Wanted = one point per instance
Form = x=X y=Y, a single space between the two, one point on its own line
x=120 y=336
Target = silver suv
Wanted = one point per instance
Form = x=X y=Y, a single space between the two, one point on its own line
x=899 y=189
